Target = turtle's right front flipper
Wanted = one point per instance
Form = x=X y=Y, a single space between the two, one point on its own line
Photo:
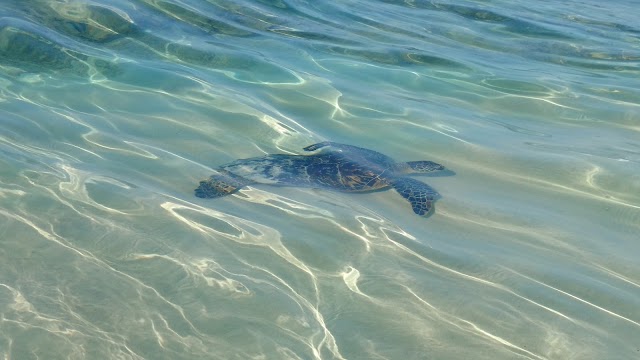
x=420 y=195
x=338 y=146
x=317 y=146
x=220 y=185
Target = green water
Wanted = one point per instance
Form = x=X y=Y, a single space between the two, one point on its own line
x=111 y=112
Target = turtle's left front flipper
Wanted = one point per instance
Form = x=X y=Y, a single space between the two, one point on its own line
x=420 y=195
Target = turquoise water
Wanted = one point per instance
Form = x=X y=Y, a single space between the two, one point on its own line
x=112 y=111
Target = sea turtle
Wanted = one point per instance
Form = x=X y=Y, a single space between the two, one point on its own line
x=343 y=167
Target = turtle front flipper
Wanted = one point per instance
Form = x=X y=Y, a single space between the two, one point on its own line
x=317 y=146
x=220 y=185
x=338 y=146
x=420 y=195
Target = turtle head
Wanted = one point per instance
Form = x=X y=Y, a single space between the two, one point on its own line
x=418 y=167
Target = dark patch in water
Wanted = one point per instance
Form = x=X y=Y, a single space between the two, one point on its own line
x=206 y=23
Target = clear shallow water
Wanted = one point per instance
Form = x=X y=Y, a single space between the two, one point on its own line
x=112 y=111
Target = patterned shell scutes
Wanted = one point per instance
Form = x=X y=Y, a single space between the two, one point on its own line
x=351 y=169
x=346 y=173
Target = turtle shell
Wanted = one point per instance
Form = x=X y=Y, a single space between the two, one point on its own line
x=334 y=170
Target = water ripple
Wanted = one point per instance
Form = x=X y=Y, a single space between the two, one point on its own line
x=111 y=111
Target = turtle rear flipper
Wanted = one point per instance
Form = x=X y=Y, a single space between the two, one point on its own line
x=220 y=185
x=420 y=195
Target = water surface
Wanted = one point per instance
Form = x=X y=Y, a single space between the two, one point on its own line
x=112 y=111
